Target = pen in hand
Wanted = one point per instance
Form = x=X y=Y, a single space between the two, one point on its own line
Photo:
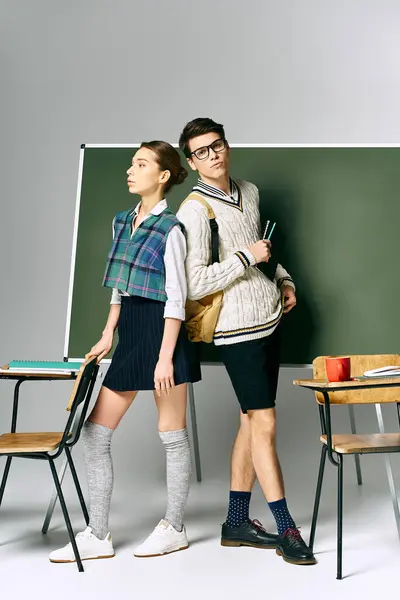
x=265 y=230
x=270 y=233
x=265 y=237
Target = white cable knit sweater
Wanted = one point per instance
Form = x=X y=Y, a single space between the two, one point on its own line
x=252 y=306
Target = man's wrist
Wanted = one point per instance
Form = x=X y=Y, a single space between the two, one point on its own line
x=283 y=283
x=247 y=257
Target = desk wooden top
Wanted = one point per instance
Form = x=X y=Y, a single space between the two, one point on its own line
x=38 y=376
x=324 y=384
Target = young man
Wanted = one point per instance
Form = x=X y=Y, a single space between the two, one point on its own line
x=246 y=331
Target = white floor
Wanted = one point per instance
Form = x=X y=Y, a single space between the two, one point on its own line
x=371 y=547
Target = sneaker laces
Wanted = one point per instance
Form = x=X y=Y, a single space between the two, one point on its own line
x=158 y=532
x=85 y=535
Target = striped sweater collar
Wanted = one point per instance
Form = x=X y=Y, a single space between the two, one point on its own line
x=233 y=199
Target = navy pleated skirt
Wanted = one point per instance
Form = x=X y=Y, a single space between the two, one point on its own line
x=140 y=332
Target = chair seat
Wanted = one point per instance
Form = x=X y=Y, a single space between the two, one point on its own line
x=29 y=442
x=354 y=443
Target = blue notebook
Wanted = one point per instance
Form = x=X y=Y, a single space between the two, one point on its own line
x=47 y=365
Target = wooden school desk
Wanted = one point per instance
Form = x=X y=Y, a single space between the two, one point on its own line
x=326 y=388
x=20 y=377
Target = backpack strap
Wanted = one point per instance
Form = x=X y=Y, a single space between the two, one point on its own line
x=213 y=224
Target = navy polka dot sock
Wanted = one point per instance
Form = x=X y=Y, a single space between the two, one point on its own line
x=282 y=515
x=238 y=511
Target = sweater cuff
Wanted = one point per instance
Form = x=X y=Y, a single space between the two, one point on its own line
x=246 y=258
x=285 y=281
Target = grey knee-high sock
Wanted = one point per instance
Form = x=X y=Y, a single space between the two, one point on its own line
x=96 y=440
x=178 y=474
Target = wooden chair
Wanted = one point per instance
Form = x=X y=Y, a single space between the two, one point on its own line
x=336 y=446
x=49 y=446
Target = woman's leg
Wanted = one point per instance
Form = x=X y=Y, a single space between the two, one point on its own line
x=170 y=535
x=95 y=542
x=173 y=433
x=105 y=417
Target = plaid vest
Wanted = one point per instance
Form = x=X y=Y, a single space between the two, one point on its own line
x=135 y=263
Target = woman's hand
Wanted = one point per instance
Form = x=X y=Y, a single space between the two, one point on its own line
x=164 y=375
x=103 y=347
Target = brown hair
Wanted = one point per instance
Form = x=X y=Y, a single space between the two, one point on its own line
x=199 y=126
x=169 y=160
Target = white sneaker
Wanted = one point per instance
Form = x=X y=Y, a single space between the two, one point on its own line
x=89 y=547
x=163 y=540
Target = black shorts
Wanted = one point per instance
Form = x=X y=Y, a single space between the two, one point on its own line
x=253 y=368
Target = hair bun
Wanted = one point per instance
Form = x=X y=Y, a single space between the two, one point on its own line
x=182 y=174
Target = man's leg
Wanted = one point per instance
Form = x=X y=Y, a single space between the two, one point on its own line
x=253 y=367
x=238 y=529
x=265 y=458
x=266 y=463
x=243 y=474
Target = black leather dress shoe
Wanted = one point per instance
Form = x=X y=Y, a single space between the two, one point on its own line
x=293 y=548
x=250 y=533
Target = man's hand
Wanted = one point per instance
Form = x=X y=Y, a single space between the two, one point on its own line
x=289 y=297
x=261 y=251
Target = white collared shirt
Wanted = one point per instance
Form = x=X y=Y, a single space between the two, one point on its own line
x=174 y=261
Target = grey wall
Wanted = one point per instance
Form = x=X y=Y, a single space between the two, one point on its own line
x=119 y=71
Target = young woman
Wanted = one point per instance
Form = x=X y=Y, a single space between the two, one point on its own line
x=145 y=269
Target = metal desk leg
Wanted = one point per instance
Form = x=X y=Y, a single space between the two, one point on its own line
x=389 y=471
x=13 y=430
x=356 y=456
x=195 y=436
x=61 y=474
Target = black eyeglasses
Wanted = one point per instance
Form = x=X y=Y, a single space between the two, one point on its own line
x=204 y=152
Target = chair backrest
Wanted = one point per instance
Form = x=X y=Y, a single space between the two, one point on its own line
x=359 y=364
x=79 y=399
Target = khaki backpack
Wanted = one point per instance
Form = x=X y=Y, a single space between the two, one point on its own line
x=202 y=315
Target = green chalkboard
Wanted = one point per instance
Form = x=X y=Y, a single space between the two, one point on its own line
x=338 y=215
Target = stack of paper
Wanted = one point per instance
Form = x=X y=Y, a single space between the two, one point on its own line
x=391 y=371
